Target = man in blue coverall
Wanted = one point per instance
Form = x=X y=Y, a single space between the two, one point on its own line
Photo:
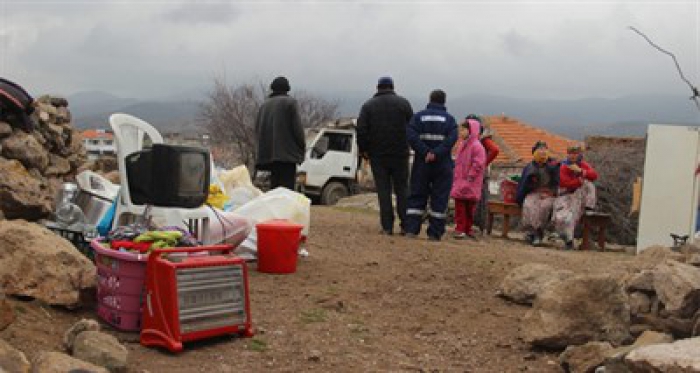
x=431 y=134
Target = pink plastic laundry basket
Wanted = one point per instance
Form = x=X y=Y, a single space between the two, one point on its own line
x=120 y=283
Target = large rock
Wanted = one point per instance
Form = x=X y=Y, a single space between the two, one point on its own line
x=639 y=303
x=56 y=362
x=7 y=312
x=5 y=130
x=641 y=281
x=585 y=358
x=75 y=330
x=25 y=148
x=579 y=310
x=615 y=359
x=36 y=262
x=101 y=349
x=676 y=326
x=523 y=284
x=12 y=360
x=678 y=286
x=654 y=255
x=21 y=194
x=57 y=166
x=681 y=356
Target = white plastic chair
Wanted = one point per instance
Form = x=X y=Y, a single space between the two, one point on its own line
x=129 y=132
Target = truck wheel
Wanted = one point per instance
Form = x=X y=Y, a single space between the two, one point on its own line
x=333 y=192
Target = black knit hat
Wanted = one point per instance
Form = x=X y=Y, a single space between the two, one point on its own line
x=539 y=144
x=280 y=84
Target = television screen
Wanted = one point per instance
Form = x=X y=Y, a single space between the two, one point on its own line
x=192 y=173
x=169 y=176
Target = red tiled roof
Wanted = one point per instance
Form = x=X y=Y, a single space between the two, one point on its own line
x=515 y=140
x=97 y=134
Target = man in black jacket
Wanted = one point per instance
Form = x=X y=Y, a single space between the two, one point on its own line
x=381 y=138
x=280 y=135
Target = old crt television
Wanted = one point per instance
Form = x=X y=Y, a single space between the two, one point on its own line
x=169 y=176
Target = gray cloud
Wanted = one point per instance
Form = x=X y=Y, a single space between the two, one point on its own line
x=202 y=13
x=567 y=49
x=517 y=44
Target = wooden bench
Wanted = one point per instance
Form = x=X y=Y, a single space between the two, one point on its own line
x=597 y=221
x=502 y=208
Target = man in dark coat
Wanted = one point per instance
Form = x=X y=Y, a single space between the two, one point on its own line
x=280 y=136
x=381 y=138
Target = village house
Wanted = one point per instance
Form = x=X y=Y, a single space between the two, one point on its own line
x=515 y=140
x=98 y=143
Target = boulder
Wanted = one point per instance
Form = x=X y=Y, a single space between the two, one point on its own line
x=693 y=259
x=641 y=281
x=654 y=255
x=523 y=284
x=57 y=166
x=678 y=287
x=615 y=359
x=75 y=330
x=38 y=263
x=58 y=102
x=7 y=312
x=101 y=349
x=5 y=130
x=12 y=360
x=578 y=310
x=679 y=356
x=637 y=329
x=63 y=115
x=651 y=337
x=21 y=194
x=585 y=358
x=639 y=303
x=56 y=362
x=25 y=148
x=676 y=326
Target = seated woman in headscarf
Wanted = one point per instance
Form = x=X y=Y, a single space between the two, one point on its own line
x=576 y=193
x=537 y=188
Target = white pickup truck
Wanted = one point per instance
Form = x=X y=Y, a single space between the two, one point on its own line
x=330 y=168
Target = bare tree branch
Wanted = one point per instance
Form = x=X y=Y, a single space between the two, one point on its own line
x=693 y=89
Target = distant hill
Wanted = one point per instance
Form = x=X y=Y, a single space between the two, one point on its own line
x=624 y=116
x=92 y=110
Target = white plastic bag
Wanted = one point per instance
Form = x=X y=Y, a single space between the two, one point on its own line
x=227 y=227
x=237 y=185
x=280 y=203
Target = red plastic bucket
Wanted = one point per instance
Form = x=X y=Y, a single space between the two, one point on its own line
x=278 y=245
x=509 y=189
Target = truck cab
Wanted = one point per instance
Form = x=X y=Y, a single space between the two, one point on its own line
x=330 y=167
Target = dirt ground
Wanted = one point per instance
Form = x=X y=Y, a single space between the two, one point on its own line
x=360 y=302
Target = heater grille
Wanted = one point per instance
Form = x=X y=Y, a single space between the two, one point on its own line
x=210 y=297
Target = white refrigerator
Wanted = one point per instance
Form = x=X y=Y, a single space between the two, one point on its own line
x=669 y=185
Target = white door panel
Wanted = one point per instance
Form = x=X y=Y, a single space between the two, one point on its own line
x=669 y=188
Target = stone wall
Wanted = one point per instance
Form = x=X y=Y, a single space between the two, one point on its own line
x=619 y=162
x=34 y=164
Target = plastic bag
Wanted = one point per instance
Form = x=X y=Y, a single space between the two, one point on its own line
x=237 y=185
x=280 y=203
x=227 y=227
x=217 y=197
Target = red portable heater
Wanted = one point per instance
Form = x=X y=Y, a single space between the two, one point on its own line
x=192 y=297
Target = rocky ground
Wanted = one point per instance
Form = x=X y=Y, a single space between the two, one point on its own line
x=359 y=302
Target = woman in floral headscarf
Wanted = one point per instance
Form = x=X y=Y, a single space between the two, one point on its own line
x=538 y=186
x=576 y=193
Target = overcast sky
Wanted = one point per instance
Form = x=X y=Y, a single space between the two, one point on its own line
x=528 y=49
